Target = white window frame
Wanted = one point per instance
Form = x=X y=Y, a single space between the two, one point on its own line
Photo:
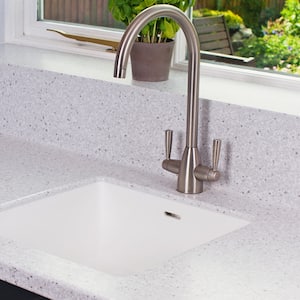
x=28 y=31
x=25 y=29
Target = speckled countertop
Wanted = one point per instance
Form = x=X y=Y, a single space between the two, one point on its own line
x=259 y=261
x=64 y=131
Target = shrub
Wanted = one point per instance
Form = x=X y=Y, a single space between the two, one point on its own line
x=279 y=48
x=291 y=15
x=251 y=10
x=255 y=13
x=273 y=51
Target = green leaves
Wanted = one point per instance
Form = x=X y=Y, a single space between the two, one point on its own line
x=279 y=47
x=121 y=10
x=291 y=13
x=150 y=2
x=168 y=28
x=156 y=31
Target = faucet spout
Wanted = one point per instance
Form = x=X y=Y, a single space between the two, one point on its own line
x=129 y=37
x=187 y=181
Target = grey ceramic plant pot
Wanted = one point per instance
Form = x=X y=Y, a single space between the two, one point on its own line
x=151 y=61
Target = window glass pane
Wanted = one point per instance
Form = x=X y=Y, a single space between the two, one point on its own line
x=268 y=30
x=89 y=12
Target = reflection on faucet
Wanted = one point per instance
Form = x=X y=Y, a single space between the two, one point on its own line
x=190 y=173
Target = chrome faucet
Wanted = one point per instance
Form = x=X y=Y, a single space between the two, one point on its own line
x=191 y=173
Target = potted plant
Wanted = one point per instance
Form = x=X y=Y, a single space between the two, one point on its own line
x=155 y=43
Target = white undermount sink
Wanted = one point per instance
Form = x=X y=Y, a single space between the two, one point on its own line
x=113 y=228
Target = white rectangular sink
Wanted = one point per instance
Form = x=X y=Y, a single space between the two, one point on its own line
x=112 y=228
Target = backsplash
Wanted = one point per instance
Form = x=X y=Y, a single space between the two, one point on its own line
x=125 y=124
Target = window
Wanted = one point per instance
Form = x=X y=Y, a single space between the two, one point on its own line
x=23 y=27
x=247 y=22
x=93 y=12
x=28 y=24
x=268 y=30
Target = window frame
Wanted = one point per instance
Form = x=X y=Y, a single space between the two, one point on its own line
x=23 y=28
x=38 y=29
x=20 y=17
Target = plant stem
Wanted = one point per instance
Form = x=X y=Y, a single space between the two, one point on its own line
x=153 y=32
x=159 y=39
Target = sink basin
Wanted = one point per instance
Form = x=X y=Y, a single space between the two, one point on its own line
x=113 y=228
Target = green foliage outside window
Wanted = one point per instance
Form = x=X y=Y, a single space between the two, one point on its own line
x=251 y=10
x=279 y=47
x=291 y=15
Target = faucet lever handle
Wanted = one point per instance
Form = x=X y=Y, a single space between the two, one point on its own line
x=216 y=154
x=168 y=142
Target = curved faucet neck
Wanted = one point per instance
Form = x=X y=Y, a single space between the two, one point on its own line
x=128 y=39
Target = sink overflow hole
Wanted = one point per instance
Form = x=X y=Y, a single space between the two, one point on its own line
x=172 y=215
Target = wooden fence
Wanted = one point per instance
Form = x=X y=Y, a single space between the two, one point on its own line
x=276 y=5
x=92 y=12
x=95 y=12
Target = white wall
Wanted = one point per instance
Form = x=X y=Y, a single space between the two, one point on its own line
x=2 y=28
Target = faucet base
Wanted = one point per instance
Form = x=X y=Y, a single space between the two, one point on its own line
x=187 y=182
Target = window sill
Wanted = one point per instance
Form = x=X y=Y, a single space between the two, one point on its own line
x=246 y=88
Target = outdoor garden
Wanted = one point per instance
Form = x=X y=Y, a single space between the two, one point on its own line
x=271 y=30
x=268 y=30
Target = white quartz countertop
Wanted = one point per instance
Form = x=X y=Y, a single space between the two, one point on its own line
x=260 y=261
